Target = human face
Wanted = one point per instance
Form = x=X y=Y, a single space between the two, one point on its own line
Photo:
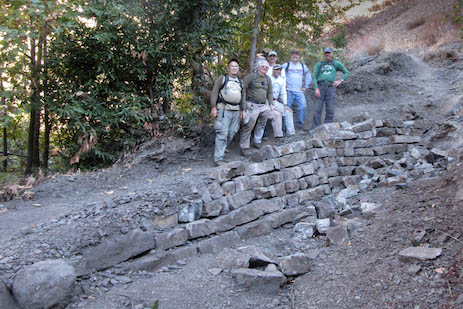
x=233 y=69
x=276 y=73
x=272 y=59
x=295 y=58
x=262 y=69
x=328 y=56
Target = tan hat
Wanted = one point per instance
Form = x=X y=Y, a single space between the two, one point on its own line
x=277 y=67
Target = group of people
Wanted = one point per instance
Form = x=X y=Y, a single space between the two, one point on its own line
x=268 y=94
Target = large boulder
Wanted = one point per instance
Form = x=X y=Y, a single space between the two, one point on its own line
x=6 y=300
x=45 y=285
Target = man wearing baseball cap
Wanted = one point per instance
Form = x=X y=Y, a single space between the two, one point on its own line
x=272 y=58
x=325 y=83
x=298 y=79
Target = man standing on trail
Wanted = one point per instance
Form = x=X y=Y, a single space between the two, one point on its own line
x=257 y=91
x=227 y=107
x=298 y=79
x=280 y=100
x=272 y=59
x=325 y=84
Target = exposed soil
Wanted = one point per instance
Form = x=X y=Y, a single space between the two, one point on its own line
x=70 y=212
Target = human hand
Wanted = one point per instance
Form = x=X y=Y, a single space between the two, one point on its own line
x=243 y=115
x=303 y=89
x=214 y=112
x=288 y=109
x=337 y=83
x=317 y=93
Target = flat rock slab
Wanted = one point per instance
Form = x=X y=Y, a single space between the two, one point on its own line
x=116 y=250
x=419 y=254
x=259 y=281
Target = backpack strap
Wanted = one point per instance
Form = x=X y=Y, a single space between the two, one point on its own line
x=221 y=87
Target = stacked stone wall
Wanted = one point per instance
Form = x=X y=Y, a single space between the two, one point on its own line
x=281 y=183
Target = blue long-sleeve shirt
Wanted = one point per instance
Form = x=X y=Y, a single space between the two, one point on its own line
x=294 y=76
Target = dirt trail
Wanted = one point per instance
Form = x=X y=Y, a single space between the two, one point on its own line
x=75 y=211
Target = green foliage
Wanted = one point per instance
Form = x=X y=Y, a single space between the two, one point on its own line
x=339 y=40
x=8 y=178
x=156 y=304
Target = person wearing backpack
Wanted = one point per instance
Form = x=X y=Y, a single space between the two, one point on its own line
x=227 y=108
x=257 y=93
x=298 y=79
x=325 y=84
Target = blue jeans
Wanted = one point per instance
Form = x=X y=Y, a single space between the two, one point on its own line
x=301 y=104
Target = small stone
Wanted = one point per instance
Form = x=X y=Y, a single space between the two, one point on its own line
x=215 y=271
x=414 y=269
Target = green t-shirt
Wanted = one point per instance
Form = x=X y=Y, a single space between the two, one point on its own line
x=326 y=72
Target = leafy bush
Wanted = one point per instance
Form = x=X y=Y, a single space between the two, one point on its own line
x=339 y=40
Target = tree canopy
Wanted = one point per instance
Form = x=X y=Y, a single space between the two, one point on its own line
x=90 y=79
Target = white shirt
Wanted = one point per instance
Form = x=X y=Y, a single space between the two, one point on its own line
x=279 y=88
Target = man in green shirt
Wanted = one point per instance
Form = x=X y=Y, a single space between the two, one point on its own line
x=258 y=95
x=325 y=83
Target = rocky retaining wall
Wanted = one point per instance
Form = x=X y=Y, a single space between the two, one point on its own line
x=281 y=185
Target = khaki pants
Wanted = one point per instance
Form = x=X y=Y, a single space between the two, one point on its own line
x=226 y=126
x=260 y=113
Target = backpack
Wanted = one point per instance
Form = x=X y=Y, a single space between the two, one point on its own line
x=226 y=79
x=303 y=71
x=254 y=77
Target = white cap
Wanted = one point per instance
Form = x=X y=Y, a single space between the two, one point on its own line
x=272 y=53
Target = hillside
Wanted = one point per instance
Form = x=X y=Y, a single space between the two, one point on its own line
x=165 y=225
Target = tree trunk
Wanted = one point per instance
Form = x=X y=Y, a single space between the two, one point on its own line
x=30 y=163
x=5 y=137
x=255 y=32
x=5 y=150
x=46 y=118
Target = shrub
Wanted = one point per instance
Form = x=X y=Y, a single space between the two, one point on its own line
x=356 y=24
x=416 y=23
x=339 y=40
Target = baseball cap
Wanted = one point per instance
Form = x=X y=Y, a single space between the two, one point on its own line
x=328 y=50
x=272 y=53
x=277 y=67
x=296 y=51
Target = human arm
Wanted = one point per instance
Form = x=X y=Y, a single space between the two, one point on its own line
x=269 y=90
x=315 y=76
x=341 y=68
x=215 y=95
x=283 y=95
x=308 y=78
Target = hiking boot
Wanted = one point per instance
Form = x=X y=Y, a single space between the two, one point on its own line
x=245 y=152
x=219 y=163
x=258 y=145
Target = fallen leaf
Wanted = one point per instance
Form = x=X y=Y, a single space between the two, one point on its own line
x=109 y=192
x=3 y=210
x=36 y=205
x=186 y=169
x=440 y=270
x=124 y=188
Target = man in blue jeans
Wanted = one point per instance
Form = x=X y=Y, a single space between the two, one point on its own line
x=298 y=79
